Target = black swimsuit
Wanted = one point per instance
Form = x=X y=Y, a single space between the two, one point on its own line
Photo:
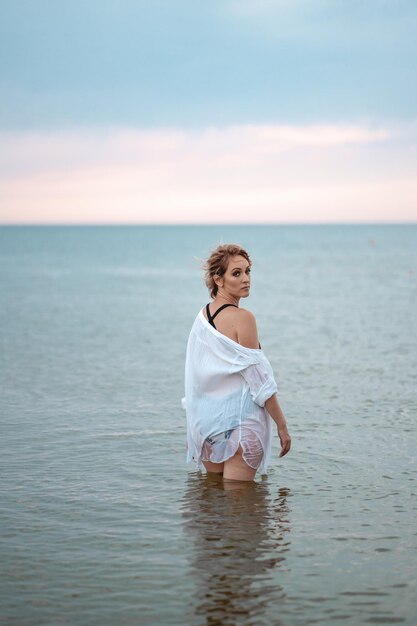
x=211 y=317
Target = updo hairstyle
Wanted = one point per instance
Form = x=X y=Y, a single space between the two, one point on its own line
x=218 y=262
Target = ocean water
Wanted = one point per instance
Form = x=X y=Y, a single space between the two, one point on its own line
x=103 y=522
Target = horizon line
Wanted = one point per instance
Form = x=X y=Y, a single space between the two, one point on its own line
x=128 y=224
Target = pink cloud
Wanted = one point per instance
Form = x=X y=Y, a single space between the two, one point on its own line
x=249 y=173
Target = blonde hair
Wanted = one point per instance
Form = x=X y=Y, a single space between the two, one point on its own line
x=218 y=262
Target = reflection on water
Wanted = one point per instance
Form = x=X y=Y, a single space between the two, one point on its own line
x=239 y=533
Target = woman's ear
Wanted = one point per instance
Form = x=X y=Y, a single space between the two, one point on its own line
x=218 y=280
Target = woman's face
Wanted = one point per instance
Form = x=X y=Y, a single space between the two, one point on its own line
x=236 y=280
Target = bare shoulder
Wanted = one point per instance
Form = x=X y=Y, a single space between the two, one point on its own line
x=247 y=331
x=245 y=316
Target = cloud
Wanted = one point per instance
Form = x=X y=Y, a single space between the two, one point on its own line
x=249 y=173
x=34 y=151
x=346 y=36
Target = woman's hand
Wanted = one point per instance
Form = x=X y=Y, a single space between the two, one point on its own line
x=274 y=410
x=285 y=439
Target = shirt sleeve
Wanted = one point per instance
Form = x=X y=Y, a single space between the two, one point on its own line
x=261 y=382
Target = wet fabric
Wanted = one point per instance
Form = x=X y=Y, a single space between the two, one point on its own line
x=226 y=387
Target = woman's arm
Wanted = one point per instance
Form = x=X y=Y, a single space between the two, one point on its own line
x=248 y=336
x=274 y=410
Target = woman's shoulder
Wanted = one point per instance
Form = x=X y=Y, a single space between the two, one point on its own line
x=245 y=316
x=246 y=328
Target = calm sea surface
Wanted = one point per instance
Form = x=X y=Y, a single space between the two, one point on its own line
x=103 y=522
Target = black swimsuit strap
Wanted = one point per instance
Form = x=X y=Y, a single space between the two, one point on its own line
x=223 y=306
x=210 y=317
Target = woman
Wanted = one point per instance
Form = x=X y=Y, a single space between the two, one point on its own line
x=230 y=390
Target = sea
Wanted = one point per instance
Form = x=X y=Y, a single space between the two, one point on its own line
x=104 y=523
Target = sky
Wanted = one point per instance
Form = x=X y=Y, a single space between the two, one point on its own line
x=228 y=111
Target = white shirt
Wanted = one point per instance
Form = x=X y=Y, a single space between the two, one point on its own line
x=226 y=386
